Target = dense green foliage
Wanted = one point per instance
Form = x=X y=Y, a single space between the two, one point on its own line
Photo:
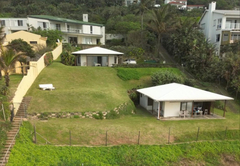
x=165 y=77
x=48 y=58
x=52 y=35
x=67 y=58
x=136 y=73
x=22 y=46
x=27 y=153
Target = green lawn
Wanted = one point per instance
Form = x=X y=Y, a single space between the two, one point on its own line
x=126 y=129
x=78 y=89
x=199 y=153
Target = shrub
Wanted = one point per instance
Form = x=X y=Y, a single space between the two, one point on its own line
x=99 y=116
x=48 y=58
x=188 y=82
x=67 y=59
x=76 y=116
x=112 y=115
x=165 y=77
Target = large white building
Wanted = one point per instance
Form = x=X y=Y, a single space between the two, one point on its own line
x=220 y=26
x=74 y=31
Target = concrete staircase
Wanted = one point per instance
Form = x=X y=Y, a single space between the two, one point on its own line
x=17 y=121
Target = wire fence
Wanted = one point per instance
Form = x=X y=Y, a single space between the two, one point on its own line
x=112 y=138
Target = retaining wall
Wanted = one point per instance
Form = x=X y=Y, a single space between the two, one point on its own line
x=35 y=68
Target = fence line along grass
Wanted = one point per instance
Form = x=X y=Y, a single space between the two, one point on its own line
x=78 y=89
x=92 y=132
x=207 y=153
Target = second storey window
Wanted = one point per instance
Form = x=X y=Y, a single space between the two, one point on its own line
x=214 y=23
x=91 y=29
x=20 y=22
x=2 y=22
x=219 y=24
x=58 y=27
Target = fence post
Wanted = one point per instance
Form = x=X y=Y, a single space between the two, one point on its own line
x=139 y=138
x=35 y=134
x=198 y=133
x=70 y=138
x=106 y=139
x=169 y=135
x=225 y=133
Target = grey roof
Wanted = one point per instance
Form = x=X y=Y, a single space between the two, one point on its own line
x=180 y=92
x=228 y=12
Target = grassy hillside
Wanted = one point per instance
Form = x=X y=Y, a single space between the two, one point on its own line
x=78 y=89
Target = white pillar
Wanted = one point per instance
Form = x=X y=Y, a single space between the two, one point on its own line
x=158 y=109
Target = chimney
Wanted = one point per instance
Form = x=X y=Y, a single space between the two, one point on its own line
x=212 y=6
x=85 y=17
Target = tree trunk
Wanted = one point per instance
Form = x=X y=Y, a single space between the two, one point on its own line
x=158 y=44
x=0 y=74
x=22 y=68
x=7 y=80
x=142 y=21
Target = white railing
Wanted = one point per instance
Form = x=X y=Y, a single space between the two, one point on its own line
x=232 y=26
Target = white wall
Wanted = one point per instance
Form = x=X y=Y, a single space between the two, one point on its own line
x=171 y=109
x=86 y=29
x=143 y=101
x=96 y=30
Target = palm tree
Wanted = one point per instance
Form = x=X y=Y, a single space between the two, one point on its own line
x=143 y=6
x=8 y=59
x=162 y=21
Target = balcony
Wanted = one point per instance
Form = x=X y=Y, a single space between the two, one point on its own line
x=232 y=26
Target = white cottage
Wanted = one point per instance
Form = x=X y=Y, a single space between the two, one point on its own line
x=97 y=56
x=170 y=99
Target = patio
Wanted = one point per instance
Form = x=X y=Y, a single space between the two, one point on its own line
x=188 y=117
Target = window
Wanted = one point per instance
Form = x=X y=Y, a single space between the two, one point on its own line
x=91 y=29
x=214 y=23
x=219 y=24
x=87 y=41
x=33 y=42
x=20 y=22
x=225 y=37
x=184 y=106
x=2 y=23
x=58 y=27
x=44 y=25
x=150 y=102
x=217 y=37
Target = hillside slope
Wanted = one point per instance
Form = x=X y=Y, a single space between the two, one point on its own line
x=78 y=89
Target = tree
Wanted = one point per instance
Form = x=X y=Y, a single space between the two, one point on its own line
x=164 y=77
x=8 y=59
x=162 y=21
x=24 y=49
x=143 y=6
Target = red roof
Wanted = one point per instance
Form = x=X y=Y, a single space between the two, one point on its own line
x=194 y=5
x=176 y=3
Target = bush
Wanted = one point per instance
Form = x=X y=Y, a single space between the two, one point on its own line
x=67 y=59
x=188 y=82
x=165 y=77
x=48 y=58
x=112 y=115
x=99 y=116
x=76 y=116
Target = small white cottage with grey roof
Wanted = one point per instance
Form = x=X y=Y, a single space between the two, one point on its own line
x=170 y=99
